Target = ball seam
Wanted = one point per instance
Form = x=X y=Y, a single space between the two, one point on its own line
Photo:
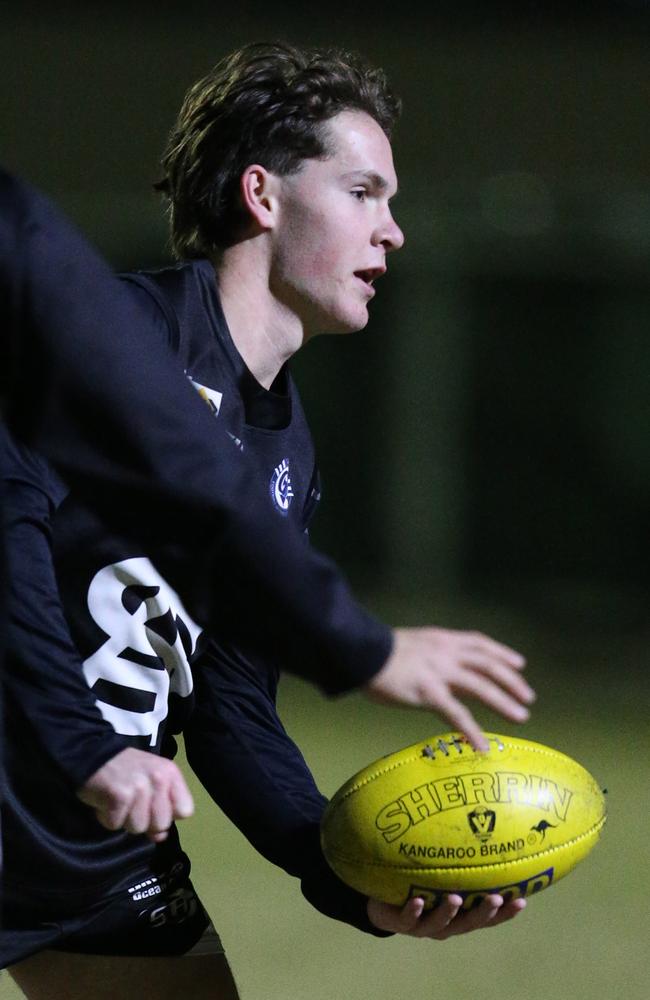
x=409 y=760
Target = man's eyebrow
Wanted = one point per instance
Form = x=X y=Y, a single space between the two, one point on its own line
x=376 y=181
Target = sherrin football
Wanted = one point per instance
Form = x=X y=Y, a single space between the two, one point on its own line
x=441 y=817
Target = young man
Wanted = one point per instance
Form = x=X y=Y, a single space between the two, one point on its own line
x=280 y=175
x=70 y=385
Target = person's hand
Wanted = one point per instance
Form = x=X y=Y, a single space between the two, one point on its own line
x=446 y=920
x=139 y=792
x=433 y=667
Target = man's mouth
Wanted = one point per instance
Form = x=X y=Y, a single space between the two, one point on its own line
x=369 y=275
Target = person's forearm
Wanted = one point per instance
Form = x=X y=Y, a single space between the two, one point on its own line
x=43 y=671
x=136 y=440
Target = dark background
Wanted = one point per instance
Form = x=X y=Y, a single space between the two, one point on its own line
x=484 y=443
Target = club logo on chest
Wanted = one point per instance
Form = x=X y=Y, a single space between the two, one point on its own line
x=280 y=487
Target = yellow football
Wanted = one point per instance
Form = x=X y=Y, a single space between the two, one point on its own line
x=441 y=817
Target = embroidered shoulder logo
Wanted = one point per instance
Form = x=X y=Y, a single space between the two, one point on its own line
x=210 y=396
x=280 y=487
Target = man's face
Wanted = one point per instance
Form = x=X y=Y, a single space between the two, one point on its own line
x=335 y=228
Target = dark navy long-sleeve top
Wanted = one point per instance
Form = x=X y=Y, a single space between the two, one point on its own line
x=85 y=378
x=148 y=669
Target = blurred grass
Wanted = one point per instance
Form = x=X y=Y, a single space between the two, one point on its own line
x=584 y=939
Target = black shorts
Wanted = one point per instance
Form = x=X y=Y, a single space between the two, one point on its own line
x=149 y=914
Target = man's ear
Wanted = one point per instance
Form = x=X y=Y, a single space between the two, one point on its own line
x=258 y=189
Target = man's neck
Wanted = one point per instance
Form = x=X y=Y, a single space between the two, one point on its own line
x=265 y=332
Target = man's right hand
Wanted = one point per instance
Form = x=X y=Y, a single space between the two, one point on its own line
x=432 y=667
x=447 y=920
x=139 y=792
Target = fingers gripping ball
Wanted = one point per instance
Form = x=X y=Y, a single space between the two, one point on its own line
x=441 y=817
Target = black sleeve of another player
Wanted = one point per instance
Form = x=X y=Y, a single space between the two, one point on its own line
x=44 y=670
x=88 y=384
x=241 y=753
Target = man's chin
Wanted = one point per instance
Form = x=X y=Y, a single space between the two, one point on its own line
x=340 y=322
x=352 y=323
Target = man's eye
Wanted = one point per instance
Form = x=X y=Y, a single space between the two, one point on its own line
x=359 y=194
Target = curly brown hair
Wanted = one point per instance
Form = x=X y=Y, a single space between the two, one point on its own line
x=266 y=103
